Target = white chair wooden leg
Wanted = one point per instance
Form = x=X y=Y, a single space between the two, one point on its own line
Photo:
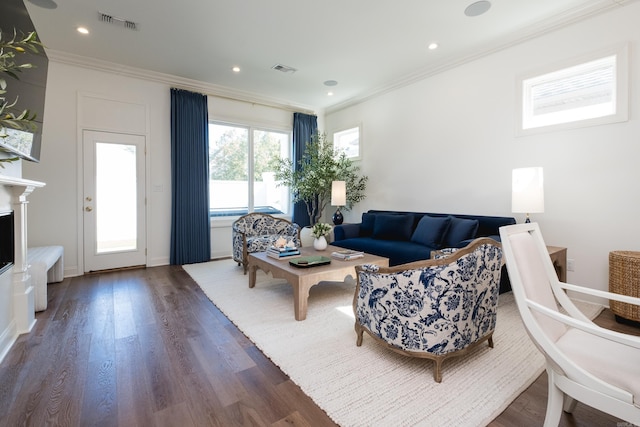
x=554 y=402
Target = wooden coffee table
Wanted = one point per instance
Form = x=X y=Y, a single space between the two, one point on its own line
x=302 y=279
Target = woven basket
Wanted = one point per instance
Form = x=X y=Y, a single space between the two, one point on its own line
x=624 y=278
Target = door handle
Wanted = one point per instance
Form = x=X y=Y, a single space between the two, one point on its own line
x=88 y=209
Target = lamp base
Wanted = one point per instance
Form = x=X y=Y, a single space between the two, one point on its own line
x=337 y=217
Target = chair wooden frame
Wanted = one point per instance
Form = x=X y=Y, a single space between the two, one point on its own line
x=568 y=382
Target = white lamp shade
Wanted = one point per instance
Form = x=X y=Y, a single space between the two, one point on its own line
x=338 y=193
x=527 y=190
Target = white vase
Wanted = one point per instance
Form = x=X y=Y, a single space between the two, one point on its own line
x=320 y=243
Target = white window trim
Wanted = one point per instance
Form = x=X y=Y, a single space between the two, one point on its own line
x=621 y=52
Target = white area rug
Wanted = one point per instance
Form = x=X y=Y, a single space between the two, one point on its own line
x=370 y=385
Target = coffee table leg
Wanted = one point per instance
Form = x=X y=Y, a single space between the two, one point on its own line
x=252 y=275
x=300 y=299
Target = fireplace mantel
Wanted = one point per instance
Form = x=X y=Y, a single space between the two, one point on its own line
x=23 y=294
x=27 y=184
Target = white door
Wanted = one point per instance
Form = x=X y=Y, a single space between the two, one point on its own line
x=113 y=200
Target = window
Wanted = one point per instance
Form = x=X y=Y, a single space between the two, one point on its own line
x=592 y=91
x=348 y=141
x=237 y=153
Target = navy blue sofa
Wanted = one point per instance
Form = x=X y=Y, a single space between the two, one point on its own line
x=411 y=236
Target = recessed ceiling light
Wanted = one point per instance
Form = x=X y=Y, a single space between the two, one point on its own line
x=82 y=30
x=329 y=93
x=236 y=69
x=477 y=8
x=330 y=83
x=47 y=4
x=433 y=46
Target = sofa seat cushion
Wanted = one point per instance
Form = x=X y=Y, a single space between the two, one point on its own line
x=398 y=252
x=393 y=227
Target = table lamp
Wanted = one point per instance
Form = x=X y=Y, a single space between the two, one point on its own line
x=527 y=191
x=338 y=198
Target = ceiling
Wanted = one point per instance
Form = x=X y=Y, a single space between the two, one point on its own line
x=366 y=46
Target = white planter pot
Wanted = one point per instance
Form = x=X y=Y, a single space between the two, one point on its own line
x=306 y=239
x=320 y=243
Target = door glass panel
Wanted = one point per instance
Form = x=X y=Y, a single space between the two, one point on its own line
x=116 y=211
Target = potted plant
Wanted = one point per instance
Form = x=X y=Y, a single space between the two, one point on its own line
x=10 y=117
x=311 y=181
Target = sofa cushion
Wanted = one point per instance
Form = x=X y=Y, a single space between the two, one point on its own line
x=366 y=226
x=430 y=231
x=459 y=230
x=393 y=227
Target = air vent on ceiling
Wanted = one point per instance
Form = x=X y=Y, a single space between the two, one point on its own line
x=110 y=19
x=284 y=68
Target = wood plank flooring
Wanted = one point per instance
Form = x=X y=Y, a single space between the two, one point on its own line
x=147 y=348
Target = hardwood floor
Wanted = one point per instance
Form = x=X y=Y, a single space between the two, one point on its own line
x=146 y=348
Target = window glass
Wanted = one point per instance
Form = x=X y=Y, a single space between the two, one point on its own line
x=585 y=93
x=237 y=153
x=348 y=141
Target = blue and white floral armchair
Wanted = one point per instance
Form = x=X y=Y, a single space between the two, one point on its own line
x=435 y=309
x=255 y=232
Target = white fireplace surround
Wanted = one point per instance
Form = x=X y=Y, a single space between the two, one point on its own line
x=17 y=313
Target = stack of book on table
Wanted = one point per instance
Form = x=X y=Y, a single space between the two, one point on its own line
x=284 y=252
x=347 y=254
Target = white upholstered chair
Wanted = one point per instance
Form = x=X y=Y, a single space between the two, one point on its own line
x=585 y=362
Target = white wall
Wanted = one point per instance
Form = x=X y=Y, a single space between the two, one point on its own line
x=55 y=212
x=448 y=144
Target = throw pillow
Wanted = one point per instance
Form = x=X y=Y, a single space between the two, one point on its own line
x=393 y=227
x=431 y=230
x=460 y=229
x=366 y=226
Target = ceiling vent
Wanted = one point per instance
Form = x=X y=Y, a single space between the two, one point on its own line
x=110 y=19
x=284 y=68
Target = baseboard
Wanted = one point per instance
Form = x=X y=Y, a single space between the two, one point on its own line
x=7 y=338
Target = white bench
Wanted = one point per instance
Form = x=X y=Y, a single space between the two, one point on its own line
x=46 y=265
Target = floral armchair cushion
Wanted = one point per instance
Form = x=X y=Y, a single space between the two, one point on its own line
x=255 y=232
x=431 y=308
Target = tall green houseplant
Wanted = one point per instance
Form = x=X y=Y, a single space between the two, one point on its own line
x=311 y=181
x=10 y=116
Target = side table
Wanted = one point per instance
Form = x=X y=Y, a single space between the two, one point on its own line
x=558 y=256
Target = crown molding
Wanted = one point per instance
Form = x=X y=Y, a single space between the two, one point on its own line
x=174 y=81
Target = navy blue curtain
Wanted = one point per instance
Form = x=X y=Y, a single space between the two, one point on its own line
x=190 y=229
x=304 y=125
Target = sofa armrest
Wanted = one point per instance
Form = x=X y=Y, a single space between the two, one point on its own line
x=346 y=231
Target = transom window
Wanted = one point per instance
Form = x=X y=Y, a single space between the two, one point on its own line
x=348 y=142
x=240 y=178
x=588 y=92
